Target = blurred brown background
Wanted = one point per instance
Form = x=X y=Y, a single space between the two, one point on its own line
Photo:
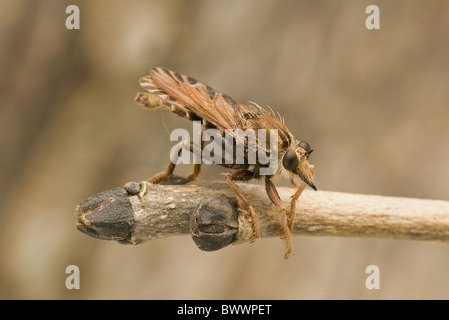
x=372 y=103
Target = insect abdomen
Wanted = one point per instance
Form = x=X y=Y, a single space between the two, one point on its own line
x=153 y=101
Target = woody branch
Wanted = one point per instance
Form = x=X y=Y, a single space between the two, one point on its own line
x=211 y=214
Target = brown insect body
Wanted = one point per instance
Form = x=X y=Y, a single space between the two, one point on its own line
x=197 y=101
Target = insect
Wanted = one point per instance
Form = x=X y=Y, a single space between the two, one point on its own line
x=195 y=100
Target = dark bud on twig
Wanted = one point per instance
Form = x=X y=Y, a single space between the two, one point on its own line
x=214 y=224
x=132 y=188
x=107 y=216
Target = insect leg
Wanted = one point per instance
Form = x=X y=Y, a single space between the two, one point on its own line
x=274 y=197
x=195 y=173
x=295 y=197
x=196 y=166
x=244 y=175
x=157 y=178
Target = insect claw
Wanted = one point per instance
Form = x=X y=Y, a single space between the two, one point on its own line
x=288 y=253
x=143 y=189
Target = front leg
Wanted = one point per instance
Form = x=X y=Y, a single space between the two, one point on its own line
x=295 y=197
x=274 y=197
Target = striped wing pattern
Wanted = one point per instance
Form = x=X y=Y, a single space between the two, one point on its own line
x=196 y=99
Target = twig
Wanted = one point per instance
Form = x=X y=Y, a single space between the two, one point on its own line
x=211 y=214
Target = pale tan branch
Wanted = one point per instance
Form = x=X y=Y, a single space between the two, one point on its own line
x=168 y=210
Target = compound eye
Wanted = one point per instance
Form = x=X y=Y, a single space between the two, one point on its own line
x=306 y=147
x=290 y=161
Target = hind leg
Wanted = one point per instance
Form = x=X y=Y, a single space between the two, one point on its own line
x=157 y=178
x=171 y=166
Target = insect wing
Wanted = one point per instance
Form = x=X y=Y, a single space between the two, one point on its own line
x=194 y=96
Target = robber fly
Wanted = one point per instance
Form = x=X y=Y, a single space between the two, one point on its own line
x=197 y=101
